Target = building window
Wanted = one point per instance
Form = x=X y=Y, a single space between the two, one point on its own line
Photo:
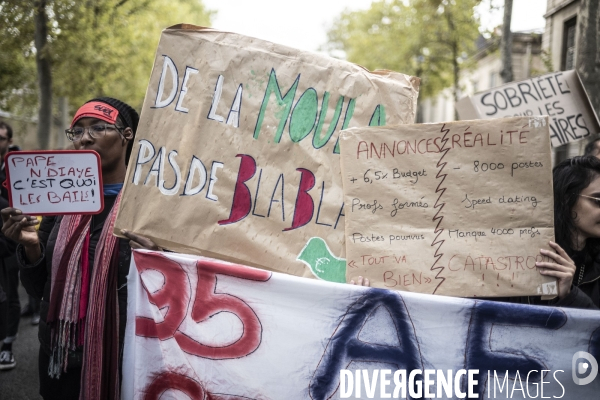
x=568 y=59
x=494 y=79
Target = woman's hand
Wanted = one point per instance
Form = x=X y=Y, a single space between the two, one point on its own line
x=139 y=241
x=19 y=227
x=361 y=282
x=560 y=267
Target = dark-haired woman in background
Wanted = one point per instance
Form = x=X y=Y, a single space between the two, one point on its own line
x=577 y=230
x=78 y=268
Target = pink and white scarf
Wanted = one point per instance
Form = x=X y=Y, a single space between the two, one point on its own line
x=84 y=310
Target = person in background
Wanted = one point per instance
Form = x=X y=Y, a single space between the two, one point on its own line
x=6 y=135
x=7 y=247
x=592 y=148
x=32 y=309
x=9 y=279
x=78 y=268
x=575 y=258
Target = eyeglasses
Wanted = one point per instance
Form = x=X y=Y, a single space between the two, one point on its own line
x=596 y=199
x=95 y=131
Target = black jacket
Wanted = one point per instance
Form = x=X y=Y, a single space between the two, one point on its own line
x=7 y=248
x=36 y=278
x=587 y=294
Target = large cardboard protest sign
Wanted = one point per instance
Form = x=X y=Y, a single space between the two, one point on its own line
x=560 y=95
x=203 y=329
x=460 y=208
x=55 y=182
x=237 y=152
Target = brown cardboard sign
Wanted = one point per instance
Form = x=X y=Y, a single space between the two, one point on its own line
x=459 y=208
x=237 y=153
x=560 y=95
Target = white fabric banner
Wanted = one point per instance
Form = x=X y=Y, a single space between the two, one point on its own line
x=204 y=329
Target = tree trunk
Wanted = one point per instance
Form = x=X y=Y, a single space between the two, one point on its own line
x=42 y=58
x=588 y=56
x=506 y=44
x=455 y=64
x=456 y=78
x=63 y=106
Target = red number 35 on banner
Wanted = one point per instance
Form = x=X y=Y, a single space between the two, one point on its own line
x=174 y=295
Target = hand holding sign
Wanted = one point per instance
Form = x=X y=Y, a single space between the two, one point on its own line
x=139 y=242
x=21 y=229
x=55 y=182
x=18 y=227
x=560 y=266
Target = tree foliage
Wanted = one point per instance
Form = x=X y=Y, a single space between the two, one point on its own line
x=17 y=58
x=96 y=47
x=428 y=38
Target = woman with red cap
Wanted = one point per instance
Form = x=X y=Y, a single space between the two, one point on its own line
x=78 y=268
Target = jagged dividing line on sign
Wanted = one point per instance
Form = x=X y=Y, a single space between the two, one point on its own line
x=440 y=206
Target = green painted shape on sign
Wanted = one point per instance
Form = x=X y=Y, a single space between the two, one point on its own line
x=304 y=115
x=347 y=118
x=322 y=263
x=378 y=117
x=284 y=103
x=319 y=141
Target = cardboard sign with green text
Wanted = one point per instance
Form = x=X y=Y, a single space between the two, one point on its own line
x=237 y=154
x=460 y=208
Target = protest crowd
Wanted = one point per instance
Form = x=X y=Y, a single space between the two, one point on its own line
x=88 y=275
